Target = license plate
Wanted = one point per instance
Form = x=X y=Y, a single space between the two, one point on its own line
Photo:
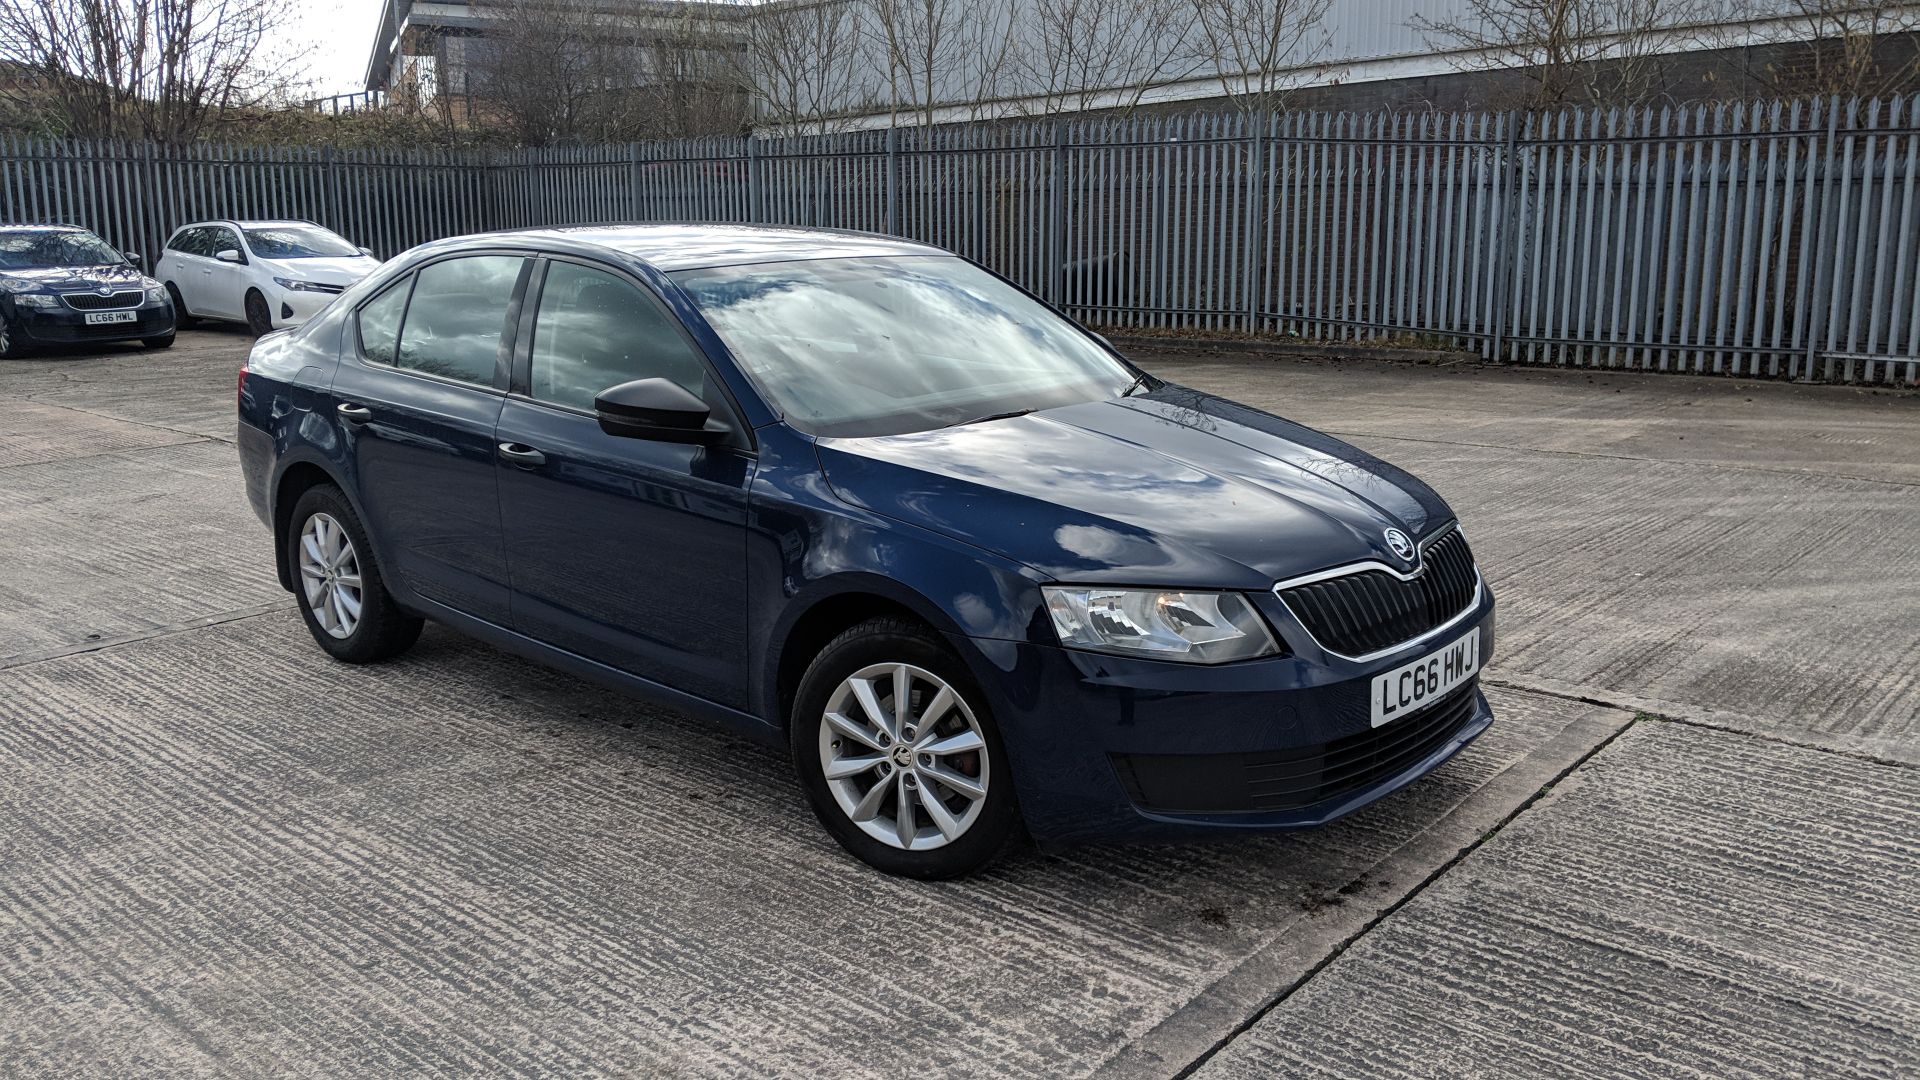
x=109 y=316
x=1410 y=687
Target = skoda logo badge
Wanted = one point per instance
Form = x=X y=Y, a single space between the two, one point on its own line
x=1400 y=543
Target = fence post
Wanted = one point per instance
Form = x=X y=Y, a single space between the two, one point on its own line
x=1817 y=313
x=893 y=181
x=1057 y=217
x=333 y=188
x=1253 y=267
x=1507 y=251
x=756 y=209
x=633 y=181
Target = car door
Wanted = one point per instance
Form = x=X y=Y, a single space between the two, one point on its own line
x=417 y=401
x=186 y=266
x=628 y=551
x=223 y=284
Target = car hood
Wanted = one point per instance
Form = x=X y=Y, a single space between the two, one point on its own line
x=344 y=270
x=1175 y=487
x=61 y=278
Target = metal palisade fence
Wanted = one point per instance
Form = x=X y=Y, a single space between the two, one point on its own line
x=1771 y=239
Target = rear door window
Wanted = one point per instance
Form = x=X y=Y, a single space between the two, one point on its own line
x=454 y=324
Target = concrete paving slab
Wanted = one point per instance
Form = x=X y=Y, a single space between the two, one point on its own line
x=1689 y=903
x=1736 y=423
x=1788 y=604
x=222 y=852
x=33 y=432
x=187 y=389
x=95 y=547
x=1783 y=598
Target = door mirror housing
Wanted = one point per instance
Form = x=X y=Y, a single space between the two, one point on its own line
x=229 y=255
x=368 y=252
x=657 y=409
x=133 y=258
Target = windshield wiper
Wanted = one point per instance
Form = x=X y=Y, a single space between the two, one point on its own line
x=1008 y=415
x=1139 y=381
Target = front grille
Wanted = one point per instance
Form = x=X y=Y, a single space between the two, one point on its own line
x=1365 y=612
x=1297 y=778
x=321 y=286
x=80 y=301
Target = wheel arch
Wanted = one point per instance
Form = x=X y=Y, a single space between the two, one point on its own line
x=842 y=604
x=295 y=479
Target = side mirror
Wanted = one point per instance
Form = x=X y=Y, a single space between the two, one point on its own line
x=368 y=252
x=229 y=255
x=133 y=259
x=657 y=409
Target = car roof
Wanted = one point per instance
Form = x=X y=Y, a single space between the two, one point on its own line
x=247 y=223
x=696 y=245
x=51 y=226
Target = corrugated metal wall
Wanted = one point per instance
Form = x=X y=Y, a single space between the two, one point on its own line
x=1775 y=239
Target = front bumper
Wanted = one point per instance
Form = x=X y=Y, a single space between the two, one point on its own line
x=65 y=326
x=1103 y=746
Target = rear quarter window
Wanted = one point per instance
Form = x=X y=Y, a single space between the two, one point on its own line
x=379 y=320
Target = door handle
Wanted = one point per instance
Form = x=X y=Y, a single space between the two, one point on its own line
x=354 y=414
x=522 y=455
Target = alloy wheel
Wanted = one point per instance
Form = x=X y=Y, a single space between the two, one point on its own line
x=904 y=757
x=330 y=575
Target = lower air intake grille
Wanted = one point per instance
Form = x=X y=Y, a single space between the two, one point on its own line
x=1292 y=779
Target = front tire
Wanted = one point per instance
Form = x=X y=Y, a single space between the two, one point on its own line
x=342 y=596
x=164 y=341
x=922 y=791
x=10 y=343
x=259 y=316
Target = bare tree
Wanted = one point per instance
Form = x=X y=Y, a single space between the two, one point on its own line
x=692 y=84
x=586 y=70
x=799 y=59
x=156 y=69
x=1859 y=48
x=940 y=51
x=1571 y=52
x=1083 y=54
x=1260 y=50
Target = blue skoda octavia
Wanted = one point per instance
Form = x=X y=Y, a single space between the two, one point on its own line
x=863 y=499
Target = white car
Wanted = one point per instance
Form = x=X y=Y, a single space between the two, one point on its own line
x=267 y=274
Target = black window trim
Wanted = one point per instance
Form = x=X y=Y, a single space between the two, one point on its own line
x=520 y=384
x=509 y=327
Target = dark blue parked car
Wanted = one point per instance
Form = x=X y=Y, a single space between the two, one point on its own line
x=62 y=285
x=865 y=499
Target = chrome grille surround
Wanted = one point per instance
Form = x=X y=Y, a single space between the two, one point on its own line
x=1369 y=609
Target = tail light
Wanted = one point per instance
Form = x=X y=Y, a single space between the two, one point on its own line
x=240 y=390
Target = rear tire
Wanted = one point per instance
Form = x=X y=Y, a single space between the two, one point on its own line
x=182 y=318
x=342 y=596
x=942 y=758
x=259 y=316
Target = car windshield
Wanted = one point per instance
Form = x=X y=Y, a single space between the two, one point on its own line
x=881 y=346
x=297 y=242
x=39 y=250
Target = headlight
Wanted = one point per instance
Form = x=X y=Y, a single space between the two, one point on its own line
x=156 y=293
x=36 y=299
x=1195 y=627
x=296 y=285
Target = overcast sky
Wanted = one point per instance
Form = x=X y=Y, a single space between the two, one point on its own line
x=338 y=35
